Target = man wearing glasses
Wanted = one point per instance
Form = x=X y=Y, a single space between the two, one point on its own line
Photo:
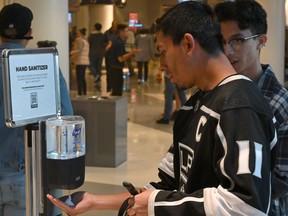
x=244 y=28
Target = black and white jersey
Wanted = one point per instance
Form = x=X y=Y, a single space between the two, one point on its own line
x=222 y=155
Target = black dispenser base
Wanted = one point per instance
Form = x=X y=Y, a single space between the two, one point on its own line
x=65 y=174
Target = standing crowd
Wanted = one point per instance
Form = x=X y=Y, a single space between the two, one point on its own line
x=117 y=46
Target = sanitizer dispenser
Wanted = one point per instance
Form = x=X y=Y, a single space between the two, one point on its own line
x=65 y=152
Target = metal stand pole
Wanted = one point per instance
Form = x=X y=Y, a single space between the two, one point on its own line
x=34 y=196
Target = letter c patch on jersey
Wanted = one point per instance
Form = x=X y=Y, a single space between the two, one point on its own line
x=201 y=123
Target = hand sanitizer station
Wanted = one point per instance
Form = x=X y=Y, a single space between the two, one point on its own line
x=54 y=144
x=65 y=154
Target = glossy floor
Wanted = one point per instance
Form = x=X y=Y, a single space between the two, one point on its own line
x=147 y=142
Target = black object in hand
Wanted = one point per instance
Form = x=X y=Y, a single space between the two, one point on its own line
x=132 y=190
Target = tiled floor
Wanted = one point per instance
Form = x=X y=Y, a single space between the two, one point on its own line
x=147 y=142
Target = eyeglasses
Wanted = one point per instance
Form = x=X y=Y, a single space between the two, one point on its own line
x=236 y=43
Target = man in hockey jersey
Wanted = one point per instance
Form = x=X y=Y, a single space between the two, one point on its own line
x=224 y=138
x=244 y=29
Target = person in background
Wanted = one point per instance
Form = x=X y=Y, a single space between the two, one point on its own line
x=15 y=33
x=129 y=45
x=80 y=57
x=170 y=90
x=118 y=58
x=224 y=139
x=72 y=36
x=110 y=35
x=244 y=29
x=144 y=43
x=96 y=52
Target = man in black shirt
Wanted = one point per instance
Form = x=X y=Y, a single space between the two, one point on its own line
x=97 y=51
x=118 y=58
x=109 y=36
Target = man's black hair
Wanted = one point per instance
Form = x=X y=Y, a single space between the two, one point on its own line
x=98 y=26
x=195 y=18
x=249 y=14
x=121 y=27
